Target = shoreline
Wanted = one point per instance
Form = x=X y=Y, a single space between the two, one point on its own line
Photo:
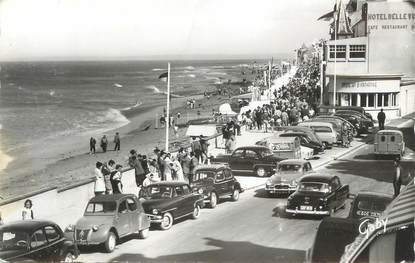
x=73 y=163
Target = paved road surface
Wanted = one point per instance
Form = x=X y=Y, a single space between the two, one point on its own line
x=252 y=229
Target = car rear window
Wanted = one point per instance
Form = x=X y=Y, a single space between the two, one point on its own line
x=313 y=187
x=372 y=205
x=289 y=167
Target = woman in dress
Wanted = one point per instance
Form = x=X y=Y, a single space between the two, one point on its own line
x=27 y=212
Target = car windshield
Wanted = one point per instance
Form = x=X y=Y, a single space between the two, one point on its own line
x=313 y=187
x=101 y=207
x=266 y=152
x=372 y=205
x=13 y=240
x=158 y=192
x=203 y=175
x=289 y=167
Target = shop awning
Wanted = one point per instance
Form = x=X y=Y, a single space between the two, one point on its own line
x=205 y=130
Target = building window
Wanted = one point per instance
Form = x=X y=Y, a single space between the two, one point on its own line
x=354 y=99
x=357 y=51
x=340 y=54
x=363 y=100
x=371 y=100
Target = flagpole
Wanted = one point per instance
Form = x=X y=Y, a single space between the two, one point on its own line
x=269 y=79
x=168 y=108
x=335 y=56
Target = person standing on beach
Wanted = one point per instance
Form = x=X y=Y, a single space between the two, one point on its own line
x=117 y=142
x=381 y=119
x=104 y=143
x=99 y=180
x=92 y=143
x=27 y=212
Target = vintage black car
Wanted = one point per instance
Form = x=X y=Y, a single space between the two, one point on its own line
x=317 y=195
x=165 y=202
x=362 y=123
x=214 y=182
x=305 y=141
x=333 y=234
x=258 y=160
x=35 y=240
x=369 y=205
x=108 y=218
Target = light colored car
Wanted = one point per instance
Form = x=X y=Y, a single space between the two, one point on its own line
x=389 y=142
x=108 y=218
x=324 y=130
x=288 y=172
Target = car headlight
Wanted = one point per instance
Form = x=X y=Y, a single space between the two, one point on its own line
x=95 y=228
x=155 y=211
x=324 y=200
x=200 y=191
x=70 y=228
x=268 y=183
x=294 y=182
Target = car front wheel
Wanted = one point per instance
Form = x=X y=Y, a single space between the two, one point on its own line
x=213 y=200
x=69 y=257
x=143 y=234
x=167 y=221
x=260 y=171
x=111 y=242
x=196 y=212
x=235 y=195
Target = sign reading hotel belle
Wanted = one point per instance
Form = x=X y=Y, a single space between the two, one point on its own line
x=390 y=16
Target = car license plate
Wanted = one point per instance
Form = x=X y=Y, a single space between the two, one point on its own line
x=306 y=207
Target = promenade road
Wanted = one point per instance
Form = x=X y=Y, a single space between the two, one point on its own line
x=253 y=229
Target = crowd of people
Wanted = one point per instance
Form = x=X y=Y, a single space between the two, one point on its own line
x=163 y=166
x=292 y=103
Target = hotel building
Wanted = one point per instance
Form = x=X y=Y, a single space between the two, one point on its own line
x=369 y=60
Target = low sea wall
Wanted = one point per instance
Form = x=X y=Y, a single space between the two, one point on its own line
x=66 y=205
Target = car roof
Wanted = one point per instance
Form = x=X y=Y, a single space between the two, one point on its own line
x=169 y=183
x=390 y=132
x=299 y=133
x=317 y=123
x=26 y=225
x=212 y=167
x=253 y=147
x=293 y=161
x=108 y=198
x=280 y=139
x=318 y=178
x=368 y=194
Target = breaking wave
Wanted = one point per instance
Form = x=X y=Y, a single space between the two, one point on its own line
x=153 y=88
x=157 y=69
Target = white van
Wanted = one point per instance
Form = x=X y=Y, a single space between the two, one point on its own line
x=324 y=130
x=389 y=142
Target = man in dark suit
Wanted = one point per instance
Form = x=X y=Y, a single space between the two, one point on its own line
x=381 y=119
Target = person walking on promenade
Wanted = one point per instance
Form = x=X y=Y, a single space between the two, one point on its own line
x=284 y=118
x=168 y=166
x=205 y=146
x=177 y=167
x=152 y=176
x=117 y=142
x=196 y=148
x=104 y=143
x=27 y=212
x=106 y=172
x=186 y=163
x=99 y=188
x=194 y=162
x=138 y=169
x=116 y=183
x=397 y=179
x=92 y=143
x=381 y=119
x=345 y=135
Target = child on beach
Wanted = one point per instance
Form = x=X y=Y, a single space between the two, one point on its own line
x=27 y=212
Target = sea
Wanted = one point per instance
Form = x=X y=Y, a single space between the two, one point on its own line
x=40 y=101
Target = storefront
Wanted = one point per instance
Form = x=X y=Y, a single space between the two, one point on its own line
x=373 y=92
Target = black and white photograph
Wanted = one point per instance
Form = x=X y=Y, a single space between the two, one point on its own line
x=207 y=131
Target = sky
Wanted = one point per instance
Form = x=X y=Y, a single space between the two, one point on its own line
x=105 y=29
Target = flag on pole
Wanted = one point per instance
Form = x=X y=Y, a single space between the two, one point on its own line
x=163 y=77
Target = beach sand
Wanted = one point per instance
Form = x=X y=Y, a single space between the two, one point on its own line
x=65 y=163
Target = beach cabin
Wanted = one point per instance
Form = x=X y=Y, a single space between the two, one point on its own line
x=389 y=142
